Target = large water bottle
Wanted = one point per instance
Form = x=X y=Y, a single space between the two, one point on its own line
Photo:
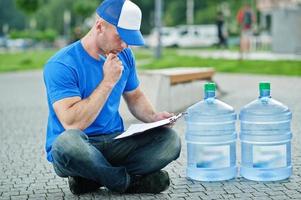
x=265 y=138
x=211 y=139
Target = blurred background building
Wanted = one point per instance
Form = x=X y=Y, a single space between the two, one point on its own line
x=282 y=19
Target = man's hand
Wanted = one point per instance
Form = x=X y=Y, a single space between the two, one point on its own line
x=161 y=115
x=112 y=69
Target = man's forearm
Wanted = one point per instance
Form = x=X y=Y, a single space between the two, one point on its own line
x=141 y=108
x=84 y=112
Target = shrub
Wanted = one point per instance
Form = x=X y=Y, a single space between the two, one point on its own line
x=47 y=35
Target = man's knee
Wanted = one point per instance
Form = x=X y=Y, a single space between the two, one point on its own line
x=173 y=144
x=170 y=144
x=68 y=144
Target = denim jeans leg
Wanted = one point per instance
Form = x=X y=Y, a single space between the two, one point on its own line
x=145 y=153
x=163 y=146
x=73 y=155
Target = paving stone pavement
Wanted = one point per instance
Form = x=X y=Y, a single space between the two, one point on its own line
x=25 y=173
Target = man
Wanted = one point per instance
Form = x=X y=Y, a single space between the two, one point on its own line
x=84 y=83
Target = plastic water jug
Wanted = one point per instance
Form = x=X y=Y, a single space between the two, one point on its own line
x=265 y=138
x=211 y=139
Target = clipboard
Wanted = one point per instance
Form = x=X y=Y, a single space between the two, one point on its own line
x=135 y=129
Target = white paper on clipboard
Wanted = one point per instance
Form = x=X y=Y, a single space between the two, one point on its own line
x=139 y=128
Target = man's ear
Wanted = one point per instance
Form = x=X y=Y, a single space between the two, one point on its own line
x=99 y=25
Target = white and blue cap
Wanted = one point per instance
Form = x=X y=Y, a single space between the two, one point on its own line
x=126 y=17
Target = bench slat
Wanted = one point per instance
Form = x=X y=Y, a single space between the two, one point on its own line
x=187 y=77
x=184 y=74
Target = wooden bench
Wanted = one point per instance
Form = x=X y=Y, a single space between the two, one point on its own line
x=180 y=75
x=184 y=74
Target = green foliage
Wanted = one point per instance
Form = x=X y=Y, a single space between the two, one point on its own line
x=205 y=16
x=28 y=6
x=10 y=16
x=49 y=13
x=85 y=8
x=175 y=12
x=47 y=35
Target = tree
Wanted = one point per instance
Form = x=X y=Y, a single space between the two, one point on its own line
x=174 y=12
x=84 y=9
x=49 y=13
x=29 y=6
x=10 y=16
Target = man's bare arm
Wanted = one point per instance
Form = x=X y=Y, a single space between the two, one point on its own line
x=77 y=113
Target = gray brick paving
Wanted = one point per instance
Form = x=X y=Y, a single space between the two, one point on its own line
x=25 y=173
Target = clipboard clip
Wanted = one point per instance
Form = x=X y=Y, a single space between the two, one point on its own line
x=176 y=117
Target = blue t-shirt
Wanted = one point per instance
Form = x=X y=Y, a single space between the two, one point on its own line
x=73 y=72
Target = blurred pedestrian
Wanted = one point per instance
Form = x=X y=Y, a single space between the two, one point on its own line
x=221 y=30
x=246 y=19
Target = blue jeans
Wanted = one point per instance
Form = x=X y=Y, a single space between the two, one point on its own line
x=111 y=162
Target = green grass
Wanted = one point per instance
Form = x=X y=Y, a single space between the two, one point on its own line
x=171 y=59
x=36 y=59
x=29 y=60
x=26 y=60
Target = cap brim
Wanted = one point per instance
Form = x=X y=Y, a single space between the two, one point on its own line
x=131 y=37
